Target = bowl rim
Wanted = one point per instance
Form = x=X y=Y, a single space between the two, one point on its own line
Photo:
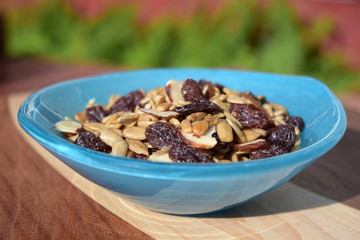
x=161 y=170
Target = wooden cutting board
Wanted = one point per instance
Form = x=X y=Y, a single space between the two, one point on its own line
x=288 y=212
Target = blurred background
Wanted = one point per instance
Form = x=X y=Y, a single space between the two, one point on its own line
x=320 y=38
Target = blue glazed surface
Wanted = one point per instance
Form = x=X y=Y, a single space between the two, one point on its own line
x=186 y=188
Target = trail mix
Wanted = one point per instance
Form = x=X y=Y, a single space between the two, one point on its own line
x=186 y=121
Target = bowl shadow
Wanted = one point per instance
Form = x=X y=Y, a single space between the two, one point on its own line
x=330 y=179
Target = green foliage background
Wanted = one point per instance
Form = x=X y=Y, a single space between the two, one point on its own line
x=240 y=35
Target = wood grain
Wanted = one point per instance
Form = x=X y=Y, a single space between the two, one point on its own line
x=288 y=212
x=38 y=203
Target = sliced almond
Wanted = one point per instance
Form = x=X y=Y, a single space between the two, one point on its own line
x=67 y=126
x=154 y=112
x=237 y=130
x=173 y=91
x=259 y=143
x=205 y=141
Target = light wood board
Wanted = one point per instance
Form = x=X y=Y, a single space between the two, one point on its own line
x=288 y=212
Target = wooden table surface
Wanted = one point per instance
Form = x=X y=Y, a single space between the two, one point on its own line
x=36 y=202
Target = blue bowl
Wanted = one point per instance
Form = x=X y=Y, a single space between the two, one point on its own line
x=186 y=188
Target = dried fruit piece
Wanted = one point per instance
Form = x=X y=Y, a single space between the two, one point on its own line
x=249 y=116
x=191 y=91
x=271 y=151
x=282 y=135
x=183 y=153
x=89 y=140
x=220 y=87
x=201 y=106
x=96 y=113
x=206 y=87
x=162 y=134
x=221 y=147
x=141 y=156
x=296 y=121
x=127 y=102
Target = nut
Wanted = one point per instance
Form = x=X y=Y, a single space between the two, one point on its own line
x=200 y=127
x=251 y=135
x=128 y=118
x=144 y=124
x=259 y=143
x=234 y=157
x=186 y=126
x=94 y=127
x=138 y=147
x=268 y=108
x=147 y=117
x=113 y=99
x=81 y=116
x=137 y=133
x=224 y=132
x=238 y=100
x=109 y=136
x=175 y=122
x=261 y=131
x=110 y=119
x=67 y=126
x=198 y=116
x=237 y=130
x=163 y=107
x=229 y=92
x=119 y=148
x=233 y=119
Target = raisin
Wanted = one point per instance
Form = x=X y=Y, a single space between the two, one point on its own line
x=127 y=102
x=205 y=85
x=162 y=134
x=96 y=114
x=89 y=140
x=271 y=151
x=183 y=153
x=296 y=121
x=282 y=135
x=221 y=146
x=249 y=116
x=191 y=91
x=141 y=156
x=201 y=106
